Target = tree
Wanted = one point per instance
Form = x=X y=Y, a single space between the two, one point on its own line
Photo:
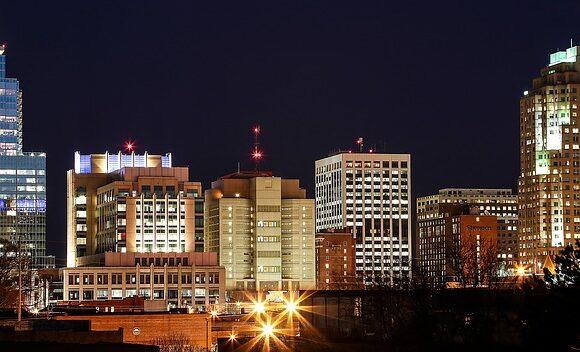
x=8 y=274
x=567 y=268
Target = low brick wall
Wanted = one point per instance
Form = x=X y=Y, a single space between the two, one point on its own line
x=145 y=328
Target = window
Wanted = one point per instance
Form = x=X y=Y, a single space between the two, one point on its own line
x=88 y=295
x=73 y=295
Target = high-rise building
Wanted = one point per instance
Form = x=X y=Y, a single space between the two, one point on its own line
x=335 y=260
x=549 y=181
x=369 y=193
x=498 y=202
x=458 y=247
x=263 y=230
x=131 y=203
x=22 y=178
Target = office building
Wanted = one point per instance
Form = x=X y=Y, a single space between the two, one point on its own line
x=549 y=180
x=262 y=226
x=498 y=202
x=458 y=247
x=131 y=203
x=22 y=178
x=335 y=260
x=177 y=279
x=369 y=193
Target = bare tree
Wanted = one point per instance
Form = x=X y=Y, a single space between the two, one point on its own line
x=8 y=274
x=176 y=343
x=472 y=262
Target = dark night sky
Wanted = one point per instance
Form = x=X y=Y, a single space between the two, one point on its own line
x=440 y=80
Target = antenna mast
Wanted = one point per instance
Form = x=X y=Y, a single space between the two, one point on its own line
x=256 y=153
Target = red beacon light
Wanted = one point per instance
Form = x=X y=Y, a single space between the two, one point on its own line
x=129 y=146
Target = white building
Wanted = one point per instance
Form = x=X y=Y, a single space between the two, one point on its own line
x=369 y=192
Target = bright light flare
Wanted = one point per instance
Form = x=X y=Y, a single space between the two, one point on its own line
x=232 y=336
x=291 y=307
x=129 y=146
x=520 y=270
x=256 y=129
x=267 y=330
x=257 y=155
x=213 y=313
x=259 y=307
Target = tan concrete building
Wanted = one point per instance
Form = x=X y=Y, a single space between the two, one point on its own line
x=498 y=202
x=369 y=193
x=263 y=229
x=549 y=181
x=115 y=207
x=177 y=279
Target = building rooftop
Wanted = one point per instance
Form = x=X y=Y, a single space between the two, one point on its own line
x=247 y=175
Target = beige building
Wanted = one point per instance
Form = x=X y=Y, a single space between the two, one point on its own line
x=178 y=279
x=369 y=193
x=263 y=229
x=549 y=181
x=433 y=210
x=131 y=203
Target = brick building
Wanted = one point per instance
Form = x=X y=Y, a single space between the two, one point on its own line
x=335 y=260
x=459 y=247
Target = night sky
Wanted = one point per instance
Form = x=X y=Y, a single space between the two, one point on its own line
x=439 y=80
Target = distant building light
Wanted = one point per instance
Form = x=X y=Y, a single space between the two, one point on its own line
x=526 y=92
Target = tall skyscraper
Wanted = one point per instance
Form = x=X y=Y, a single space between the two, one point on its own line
x=131 y=203
x=22 y=178
x=369 y=192
x=549 y=181
x=263 y=230
x=433 y=211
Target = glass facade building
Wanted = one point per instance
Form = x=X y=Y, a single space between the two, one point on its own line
x=22 y=178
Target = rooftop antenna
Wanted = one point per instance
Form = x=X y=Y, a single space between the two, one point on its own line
x=360 y=143
x=238 y=167
x=257 y=153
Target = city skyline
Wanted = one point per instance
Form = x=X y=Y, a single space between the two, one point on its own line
x=352 y=70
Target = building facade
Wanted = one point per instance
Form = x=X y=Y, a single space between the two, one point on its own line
x=458 y=247
x=335 y=260
x=179 y=279
x=22 y=178
x=120 y=208
x=498 y=202
x=549 y=181
x=263 y=229
x=369 y=193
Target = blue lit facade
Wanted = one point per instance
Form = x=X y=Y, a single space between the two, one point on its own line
x=22 y=178
x=10 y=112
